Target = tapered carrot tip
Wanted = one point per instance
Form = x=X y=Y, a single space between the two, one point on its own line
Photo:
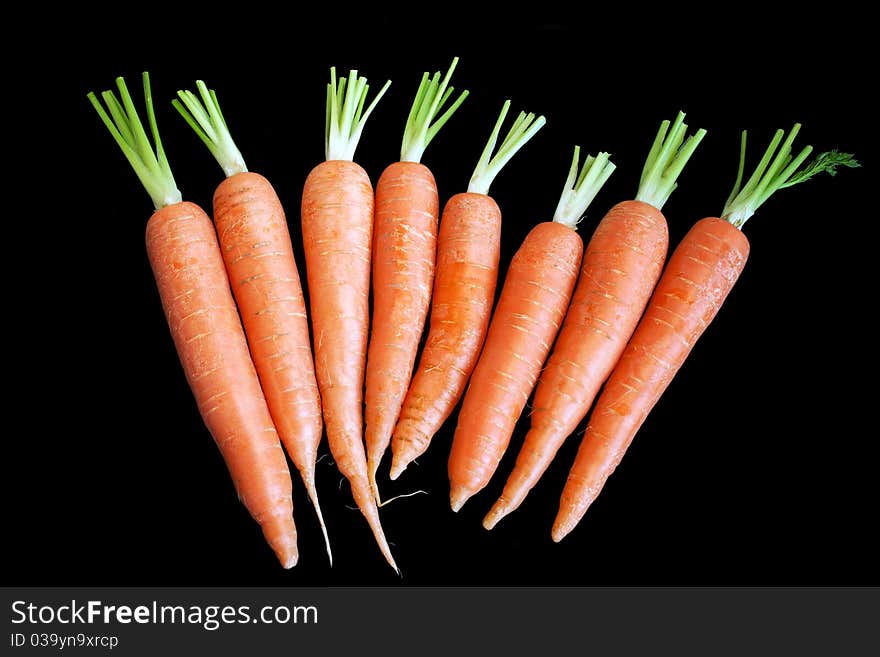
x=363 y=497
x=397 y=468
x=496 y=513
x=287 y=554
x=280 y=534
x=384 y=547
x=458 y=496
x=309 y=481
x=561 y=530
x=386 y=552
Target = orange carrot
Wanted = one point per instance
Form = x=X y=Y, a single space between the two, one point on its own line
x=699 y=275
x=194 y=288
x=468 y=248
x=404 y=249
x=256 y=248
x=621 y=266
x=533 y=301
x=337 y=226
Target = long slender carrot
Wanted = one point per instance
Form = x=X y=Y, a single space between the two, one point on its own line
x=404 y=253
x=255 y=243
x=700 y=274
x=533 y=302
x=337 y=227
x=194 y=289
x=468 y=248
x=621 y=266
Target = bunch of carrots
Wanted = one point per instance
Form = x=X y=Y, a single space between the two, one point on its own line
x=270 y=375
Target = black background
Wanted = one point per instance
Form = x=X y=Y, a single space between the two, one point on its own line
x=756 y=467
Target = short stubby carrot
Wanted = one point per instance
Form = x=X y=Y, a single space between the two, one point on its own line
x=207 y=332
x=533 y=302
x=404 y=251
x=701 y=272
x=468 y=248
x=337 y=227
x=621 y=265
x=256 y=247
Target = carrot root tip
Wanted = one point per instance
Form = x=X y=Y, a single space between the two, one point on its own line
x=496 y=513
x=309 y=481
x=289 y=561
x=397 y=469
x=458 y=496
x=386 y=552
x=559 y=532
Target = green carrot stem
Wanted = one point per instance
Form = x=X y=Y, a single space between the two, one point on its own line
x=777 y=169
x=124 y=124
x=523 y=129
x=668 y=156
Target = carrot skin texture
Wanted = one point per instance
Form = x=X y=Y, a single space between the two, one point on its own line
x=533 y=301
x=701 y=272
x=255 y=242
x=404 y=254
x=468 y=251
x=259 y=258
x=337 y=224
x=621 y=265
x=194 y=289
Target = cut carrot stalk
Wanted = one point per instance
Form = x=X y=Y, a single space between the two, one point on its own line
x=700 y=274
x=531 y=308
x=404 y=254
x=256 y=247
x=194 y=289
x=468 y=248
x=337 y=228
x=621 y=265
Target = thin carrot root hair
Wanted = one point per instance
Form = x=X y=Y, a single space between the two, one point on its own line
x=401 y=496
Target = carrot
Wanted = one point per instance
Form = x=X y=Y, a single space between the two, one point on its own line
x=700 y=274
x=256 y=248
x=468 y=248
x=621 y=266
x=404 y=250
x=337 y=227
x=533 y=301
x=194 y=289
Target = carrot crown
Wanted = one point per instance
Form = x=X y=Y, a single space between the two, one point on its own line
x=207 y=120
x=666 y=160
x=430 y=99
x=523 y=129
x=346 y=115
x=125 y=125
x=580 y=190
x=782 y=172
